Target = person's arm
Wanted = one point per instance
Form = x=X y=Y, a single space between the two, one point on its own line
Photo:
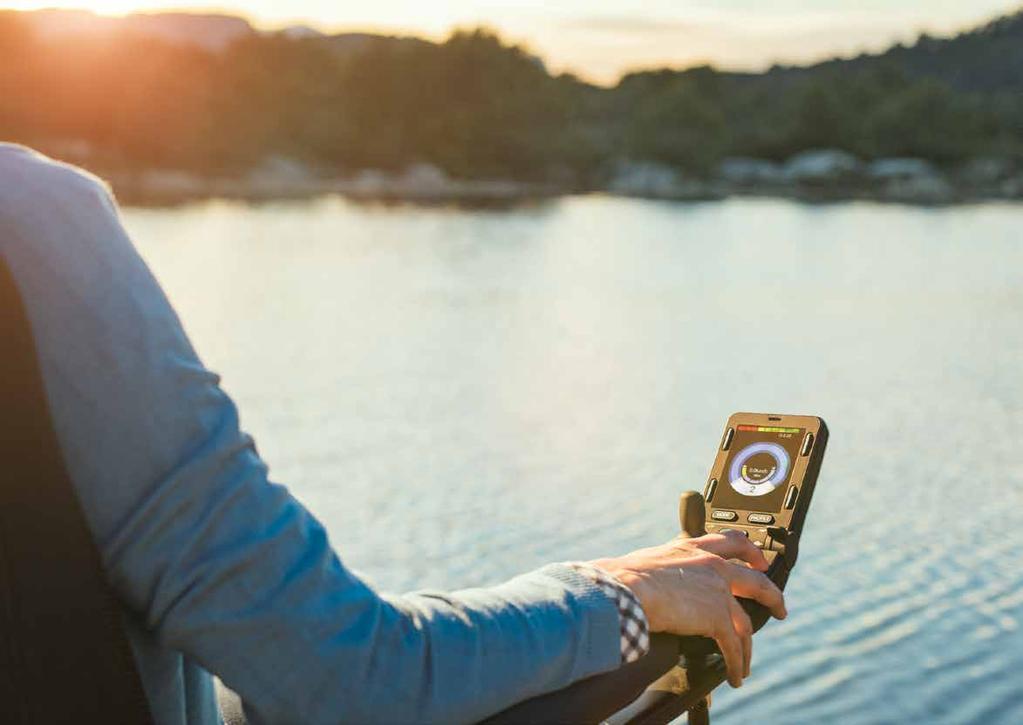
x=231 y=570
x=221 y=564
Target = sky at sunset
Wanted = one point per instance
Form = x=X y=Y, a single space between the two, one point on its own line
x=599 y=39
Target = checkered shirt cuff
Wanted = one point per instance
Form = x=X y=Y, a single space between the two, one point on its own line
x=632 y=623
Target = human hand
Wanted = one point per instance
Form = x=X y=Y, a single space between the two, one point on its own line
x=688 y=587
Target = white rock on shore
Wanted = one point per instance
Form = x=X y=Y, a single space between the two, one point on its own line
x=900 y=168
x=820 y=165
x=825 y=173
x=165 y=183
x=426 y=182
x=744 y=171
x=281 y=176
x=655 y=181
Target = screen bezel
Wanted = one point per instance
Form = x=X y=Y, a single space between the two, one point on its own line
x=787 y=518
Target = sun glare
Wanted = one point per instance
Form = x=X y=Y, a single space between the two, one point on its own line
x=386 y=16
x=101 y=7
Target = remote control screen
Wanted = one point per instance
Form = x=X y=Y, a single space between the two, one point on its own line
x=758 y=467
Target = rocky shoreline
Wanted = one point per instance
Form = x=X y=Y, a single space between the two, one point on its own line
x=819 y=175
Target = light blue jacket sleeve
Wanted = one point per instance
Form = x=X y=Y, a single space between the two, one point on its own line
x=221 y=564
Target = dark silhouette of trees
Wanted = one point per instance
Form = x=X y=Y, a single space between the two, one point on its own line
x=479 y=108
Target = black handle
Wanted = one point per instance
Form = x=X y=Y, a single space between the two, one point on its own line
x=597 y=698
x=692 y=514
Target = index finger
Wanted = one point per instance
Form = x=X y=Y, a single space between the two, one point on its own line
x=732 y=545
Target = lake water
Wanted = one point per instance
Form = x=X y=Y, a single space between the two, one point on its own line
x=464 y=395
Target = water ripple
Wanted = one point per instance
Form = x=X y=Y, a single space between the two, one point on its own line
x=463 y=395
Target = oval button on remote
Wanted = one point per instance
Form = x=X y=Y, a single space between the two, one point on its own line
x=720 y=515
x=790 y=498
x=807 y=444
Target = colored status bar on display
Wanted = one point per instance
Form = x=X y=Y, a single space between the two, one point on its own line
x=767 y=429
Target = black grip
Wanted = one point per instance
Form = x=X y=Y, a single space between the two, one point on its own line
x=758 y=613
x=597 y=698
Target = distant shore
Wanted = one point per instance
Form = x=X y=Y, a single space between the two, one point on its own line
x=820 y=175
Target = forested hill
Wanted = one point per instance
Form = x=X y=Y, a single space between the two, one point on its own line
x=944 y=100
x=140 y=95
x=988 y=59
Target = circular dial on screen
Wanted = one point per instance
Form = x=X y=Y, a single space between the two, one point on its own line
x=758 y=469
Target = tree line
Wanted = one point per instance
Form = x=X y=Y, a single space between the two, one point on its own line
x=480 y=108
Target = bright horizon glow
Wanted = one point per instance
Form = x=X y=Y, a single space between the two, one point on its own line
x=601 y=40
